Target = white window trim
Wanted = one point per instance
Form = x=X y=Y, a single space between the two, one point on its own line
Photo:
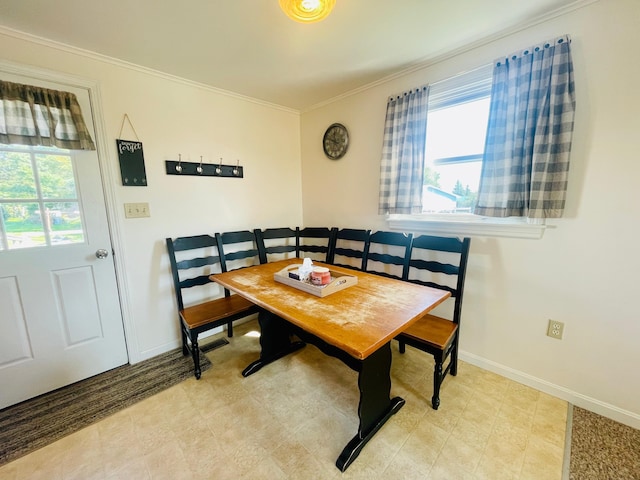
x=467 y=225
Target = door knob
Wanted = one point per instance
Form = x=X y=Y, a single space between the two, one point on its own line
x=102 y=253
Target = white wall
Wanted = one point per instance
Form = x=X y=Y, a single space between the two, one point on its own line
x=583 y=271
x=172 y=117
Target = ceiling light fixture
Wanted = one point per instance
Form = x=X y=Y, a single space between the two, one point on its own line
x=307 y=11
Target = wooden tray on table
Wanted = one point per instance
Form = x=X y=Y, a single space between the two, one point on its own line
x=339 y=281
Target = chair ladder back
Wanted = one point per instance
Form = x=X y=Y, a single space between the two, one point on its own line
x=352 y=236
x=182 y=244
x=389 y=239
x=287 y=244
x=241 y=251
x=458 y=268
x=323 y=241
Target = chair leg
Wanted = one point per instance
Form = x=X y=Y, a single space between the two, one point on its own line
x=185 y=346
x=454 y=359
x=401 y=346
x=229 y=329
x=437 y=380
x=195 y=353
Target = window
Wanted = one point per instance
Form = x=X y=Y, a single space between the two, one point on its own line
x=456 y=129
x=458 y=112
x=38 y=198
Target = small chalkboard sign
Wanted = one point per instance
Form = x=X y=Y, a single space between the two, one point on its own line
x=131 y=163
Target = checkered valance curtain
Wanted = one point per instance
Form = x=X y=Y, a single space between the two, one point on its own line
x=32 y=115
x=403 y=150
x=526 y=158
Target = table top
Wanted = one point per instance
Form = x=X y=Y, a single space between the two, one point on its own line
x=359 y=319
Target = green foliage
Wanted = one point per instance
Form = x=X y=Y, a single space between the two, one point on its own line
x=16 y=176
x=56 y=176
x=431 y=177
x=466 y=198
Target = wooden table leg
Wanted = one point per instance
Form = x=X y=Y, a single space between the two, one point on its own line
x=375 y=408
x=275 y=341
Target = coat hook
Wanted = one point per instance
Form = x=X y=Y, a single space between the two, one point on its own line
x=219 y=167
x=236 y=170
x=179 y=165
x=199 y=167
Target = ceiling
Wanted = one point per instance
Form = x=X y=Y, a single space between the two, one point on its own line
x=251 y=48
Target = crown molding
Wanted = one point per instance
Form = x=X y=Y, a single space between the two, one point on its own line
x=443 y=56
x=63 y=47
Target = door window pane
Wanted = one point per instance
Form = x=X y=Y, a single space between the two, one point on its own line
x=56 y=176
x=23 y=225
x=16 y=176
x=63 y=222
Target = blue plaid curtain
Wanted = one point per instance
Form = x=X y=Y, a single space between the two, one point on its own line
x=402 y=164
x=526 y=158
x=32 y=115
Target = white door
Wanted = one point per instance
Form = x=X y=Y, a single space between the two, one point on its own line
x=60 y=318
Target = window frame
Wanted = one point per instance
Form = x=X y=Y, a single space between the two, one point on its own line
x=466 y=86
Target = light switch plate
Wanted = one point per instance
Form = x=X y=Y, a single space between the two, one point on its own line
x=136 y=210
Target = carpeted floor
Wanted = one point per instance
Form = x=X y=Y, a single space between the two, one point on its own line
x=602 y=449
x=32 y=424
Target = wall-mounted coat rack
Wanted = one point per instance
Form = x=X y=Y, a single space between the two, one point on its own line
x=200 y=169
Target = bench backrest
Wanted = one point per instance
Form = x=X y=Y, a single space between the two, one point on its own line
x=192 y=260
x=237 y=249
x=440 y=262
x=351 y=247
x=276 y=243
x=315 y=243
x=389 y=254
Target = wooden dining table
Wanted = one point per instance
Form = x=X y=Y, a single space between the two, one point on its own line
x=355 y=325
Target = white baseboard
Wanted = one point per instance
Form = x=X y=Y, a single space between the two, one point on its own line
x=153 y=352
x=601 y=408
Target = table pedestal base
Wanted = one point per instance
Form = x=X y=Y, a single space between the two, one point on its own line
x=275 y=341
x=353 y=448
x=374 y=377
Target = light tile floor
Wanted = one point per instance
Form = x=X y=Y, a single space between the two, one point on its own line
x=292 y=419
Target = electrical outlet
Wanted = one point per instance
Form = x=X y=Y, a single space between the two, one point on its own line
x=555 y=329
x=136 y=210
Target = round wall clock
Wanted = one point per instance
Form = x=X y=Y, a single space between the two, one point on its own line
x=335 y=141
